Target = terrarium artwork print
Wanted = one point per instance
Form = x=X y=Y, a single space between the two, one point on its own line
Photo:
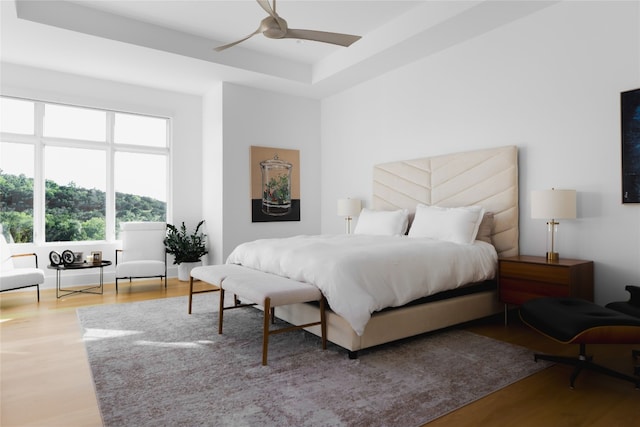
x=275 y=184
x=630 y=115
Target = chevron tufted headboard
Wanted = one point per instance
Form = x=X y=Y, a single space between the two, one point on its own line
x=484 y=177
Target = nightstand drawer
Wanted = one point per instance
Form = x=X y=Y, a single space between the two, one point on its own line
x=517 y=291
x=535 y=272
x=522 y=278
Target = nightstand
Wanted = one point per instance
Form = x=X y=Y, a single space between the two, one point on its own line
x=522 y=278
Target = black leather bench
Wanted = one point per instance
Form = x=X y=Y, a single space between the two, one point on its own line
x=577 y=321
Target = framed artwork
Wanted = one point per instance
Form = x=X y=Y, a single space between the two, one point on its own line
x=630 y=115
x=275 y=184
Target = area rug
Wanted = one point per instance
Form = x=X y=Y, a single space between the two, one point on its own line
x=155 y=365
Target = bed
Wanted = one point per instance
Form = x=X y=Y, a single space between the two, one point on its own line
x=486 y=178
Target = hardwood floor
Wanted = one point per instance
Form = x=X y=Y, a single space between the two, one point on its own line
x=46 y=381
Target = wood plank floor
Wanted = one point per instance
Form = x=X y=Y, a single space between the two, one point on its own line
x=45 y=378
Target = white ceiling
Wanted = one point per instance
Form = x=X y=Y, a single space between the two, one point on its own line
x=228 y=21
x=169 y=43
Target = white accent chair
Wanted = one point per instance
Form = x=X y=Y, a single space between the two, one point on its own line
x=12 y=277
x=143 y=254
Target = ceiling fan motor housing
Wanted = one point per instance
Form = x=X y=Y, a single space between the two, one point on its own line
x=272 y=28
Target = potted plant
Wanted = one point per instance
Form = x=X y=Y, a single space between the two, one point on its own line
x=186 y=248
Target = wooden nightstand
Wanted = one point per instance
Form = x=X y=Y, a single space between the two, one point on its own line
x=522 y=278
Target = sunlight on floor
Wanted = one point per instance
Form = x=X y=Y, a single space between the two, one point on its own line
x=98 y=334
x=196 y=344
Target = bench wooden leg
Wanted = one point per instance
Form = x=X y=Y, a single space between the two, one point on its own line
x=190 y=292
x=221 y=310
x=265 y=333
x=269 y=317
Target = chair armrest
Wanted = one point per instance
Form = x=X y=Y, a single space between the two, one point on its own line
x=117 y=251
x=635 y=295
x=29 y=254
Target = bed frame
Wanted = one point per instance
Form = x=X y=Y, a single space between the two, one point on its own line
x=484 y=177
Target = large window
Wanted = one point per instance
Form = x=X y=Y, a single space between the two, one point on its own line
x=70 y=173
x=16 y=192
x=75 y=194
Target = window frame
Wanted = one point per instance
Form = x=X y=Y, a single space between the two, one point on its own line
x=109 y=146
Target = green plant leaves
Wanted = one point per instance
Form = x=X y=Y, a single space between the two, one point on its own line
x=185 y=247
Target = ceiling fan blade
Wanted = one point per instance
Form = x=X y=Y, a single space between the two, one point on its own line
x=227 y=46
x=267 y=7
x=322 y=36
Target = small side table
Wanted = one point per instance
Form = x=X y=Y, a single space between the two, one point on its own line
x=87 y=290
x=522 y=278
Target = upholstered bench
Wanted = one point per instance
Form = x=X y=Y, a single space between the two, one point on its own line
x=572 y=320
x=212 y=274
x=264 y=289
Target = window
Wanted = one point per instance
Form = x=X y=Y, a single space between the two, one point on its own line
x=140 y=196
x=140 y=130
x=74 y=123
x=75 y=194
x=16 y=191
x=16 y=116
x=70 y=173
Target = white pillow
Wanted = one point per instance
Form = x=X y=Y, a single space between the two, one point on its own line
x=382 y=223
x=458 y=225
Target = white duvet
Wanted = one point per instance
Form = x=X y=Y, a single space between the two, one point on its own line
x=361 y=274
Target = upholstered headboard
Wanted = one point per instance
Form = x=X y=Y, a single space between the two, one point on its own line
x=488 y=178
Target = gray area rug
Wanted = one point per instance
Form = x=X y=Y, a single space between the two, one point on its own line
x=155 y=365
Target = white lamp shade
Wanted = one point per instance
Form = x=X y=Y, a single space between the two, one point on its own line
x=553 y=204
x=349 y=207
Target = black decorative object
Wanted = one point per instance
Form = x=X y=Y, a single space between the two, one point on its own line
x=55 y=258
x=68 y=257
x=630 y=115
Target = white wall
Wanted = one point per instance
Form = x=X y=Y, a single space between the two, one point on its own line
x=212 y=170
x=549 y=83
x=263 y=118
x=186 y=171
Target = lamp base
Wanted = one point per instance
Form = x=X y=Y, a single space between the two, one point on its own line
x=552 y=256
x=348 y=224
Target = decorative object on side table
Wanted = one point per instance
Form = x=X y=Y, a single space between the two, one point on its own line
x=68 y=257
x=96 y=257
x=187 y=249
x=55 y=258
x=552 y=205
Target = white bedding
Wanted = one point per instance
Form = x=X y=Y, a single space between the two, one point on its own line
x=361 y=274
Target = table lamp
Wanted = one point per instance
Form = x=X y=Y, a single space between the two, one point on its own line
x=552 y=205
x=348 y=208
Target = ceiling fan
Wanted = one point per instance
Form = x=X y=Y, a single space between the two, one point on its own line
x=274 y=27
